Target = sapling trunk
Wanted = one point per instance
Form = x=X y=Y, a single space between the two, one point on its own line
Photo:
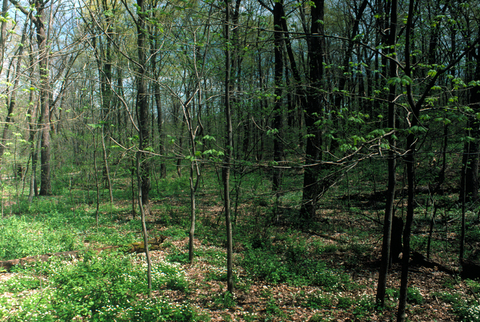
x=144 y=227
x=432 y=223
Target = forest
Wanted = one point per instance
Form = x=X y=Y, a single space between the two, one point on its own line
x=240 y=160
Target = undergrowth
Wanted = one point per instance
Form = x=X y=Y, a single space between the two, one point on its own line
x=98 y=287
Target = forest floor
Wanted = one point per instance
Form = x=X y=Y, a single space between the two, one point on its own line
x=326 y=273
x=257 y=300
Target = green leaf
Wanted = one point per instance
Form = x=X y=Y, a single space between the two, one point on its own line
x=406 y=80
x=417 y=129
x=209 y=138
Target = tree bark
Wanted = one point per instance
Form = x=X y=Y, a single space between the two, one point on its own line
x=278 y=108
x=228 y=152
x=44 y=120
x=142 y=103
x=316 y=52
x=45 y=167
x=391 y=164
x=410 y=160
x=3 y=33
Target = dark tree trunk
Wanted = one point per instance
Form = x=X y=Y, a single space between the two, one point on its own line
x=45 y=184
x=142 y=104
x=316 y=51
x=228 y=152
x=278 y=109
x=390 y=243
x=469 y=180
x=411 y=167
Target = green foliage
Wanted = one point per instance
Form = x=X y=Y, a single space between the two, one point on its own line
x=345 y=302
x=292 y=263
x=364 y=306
x=218 y=274
x=467 y=311
x=20 y=282
x=272 y=310
x=226 y=300
x=413 y=295
x=103 y=287
x=178 y=256
x=22 y=236
x=319 y=301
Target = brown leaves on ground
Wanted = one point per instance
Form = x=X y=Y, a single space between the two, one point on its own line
x=259 y=301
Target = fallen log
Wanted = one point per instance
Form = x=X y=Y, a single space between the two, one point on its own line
x=137 y=247
x=418 y=259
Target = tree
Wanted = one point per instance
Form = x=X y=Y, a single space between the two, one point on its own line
x=313 y=113
x=414 y=129
x=228 y=150
x=3 y=32
x=389 y=207
x=12 y=99
x=38 y=20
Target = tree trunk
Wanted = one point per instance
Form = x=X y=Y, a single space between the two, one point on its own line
x=142 y=104
x=410 y=160
x=45 y=184
x=142 y=214
x=316 y=52
x=154 y=53
x=44 y=121
x=3 y=33
x=391 y=164
x=469 y=183
x=278 y=109
x=13 y=96
x=228 y=153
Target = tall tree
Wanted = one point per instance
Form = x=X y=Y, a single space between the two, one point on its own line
x=141 y=101
x=38 y=20
x=389 y=209
x=278 y=16
x=228 y=149
x=3 y=32
x=313 y=113
x=11 y=100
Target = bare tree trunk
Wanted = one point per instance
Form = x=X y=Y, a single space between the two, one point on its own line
x=11 y=103
x=107 y=168
x=95 y=169
x=144 y=226
x=389 y=207
x=313 y=152
x=410 y=160
x=3 y=33
x=278 y=109
x=39 y=20
x=142 y=103
x=228 y=153
x=45 y=184
x=32 y=126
